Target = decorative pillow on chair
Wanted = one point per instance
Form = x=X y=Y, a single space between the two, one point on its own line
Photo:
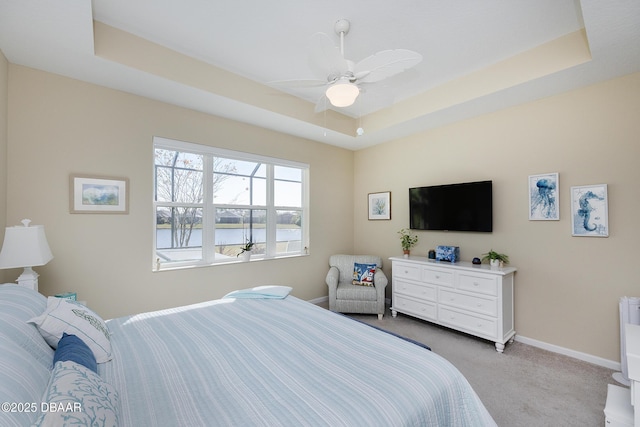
x=363 y=274
x=63 y=315
x=79 y=397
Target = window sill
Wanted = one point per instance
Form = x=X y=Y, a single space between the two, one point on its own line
x=233 y=262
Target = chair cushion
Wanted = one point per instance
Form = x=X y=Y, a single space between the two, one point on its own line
x=363 y=274
x=348 y=291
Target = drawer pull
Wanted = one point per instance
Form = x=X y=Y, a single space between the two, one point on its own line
x=476 y=284
x=406 y=272
x=437 y=276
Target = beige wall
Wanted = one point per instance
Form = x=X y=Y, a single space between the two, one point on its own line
x=567 y=288
x=61 y=126
x=4 y=67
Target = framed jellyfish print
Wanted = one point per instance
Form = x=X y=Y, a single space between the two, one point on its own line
x=589 y=211
x=544 y=197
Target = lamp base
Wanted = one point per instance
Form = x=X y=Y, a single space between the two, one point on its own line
x=28 y=278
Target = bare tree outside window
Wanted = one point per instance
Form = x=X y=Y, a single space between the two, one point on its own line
x=179 y=179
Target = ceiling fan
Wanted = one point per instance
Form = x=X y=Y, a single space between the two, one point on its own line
x=343 y=78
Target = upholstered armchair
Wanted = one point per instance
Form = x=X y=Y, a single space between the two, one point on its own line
x=344 y=296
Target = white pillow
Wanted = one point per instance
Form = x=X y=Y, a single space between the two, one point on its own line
x=78 y=396
x=63 y=315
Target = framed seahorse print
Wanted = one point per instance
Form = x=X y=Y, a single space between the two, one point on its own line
x=589 y=211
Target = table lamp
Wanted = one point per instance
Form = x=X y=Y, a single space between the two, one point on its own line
x=25 y=246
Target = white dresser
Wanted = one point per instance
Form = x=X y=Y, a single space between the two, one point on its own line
x=475 y=299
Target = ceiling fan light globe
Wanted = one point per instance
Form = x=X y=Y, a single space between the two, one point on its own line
x=342 y=94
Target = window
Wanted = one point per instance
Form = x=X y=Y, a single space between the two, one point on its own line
x=209 y=202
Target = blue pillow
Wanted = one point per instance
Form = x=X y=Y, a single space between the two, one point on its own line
x=72 y=348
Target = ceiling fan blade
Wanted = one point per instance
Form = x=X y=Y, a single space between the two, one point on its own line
x=325 y=58
x=386 y=63
x=299 y=83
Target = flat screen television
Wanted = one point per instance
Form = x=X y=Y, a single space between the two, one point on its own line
x=455 y=207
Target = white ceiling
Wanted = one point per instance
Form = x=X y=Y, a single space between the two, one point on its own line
x=265 y=41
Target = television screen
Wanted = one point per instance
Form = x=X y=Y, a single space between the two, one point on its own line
x=454 y=207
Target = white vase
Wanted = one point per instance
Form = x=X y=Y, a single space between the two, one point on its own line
x=495 y=263
x=246 y=256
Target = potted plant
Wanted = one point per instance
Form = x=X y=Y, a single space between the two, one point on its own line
x=495 y=259
x=245 y=250
x=407 y=240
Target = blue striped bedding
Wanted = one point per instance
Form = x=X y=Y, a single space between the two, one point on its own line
x=278 y=362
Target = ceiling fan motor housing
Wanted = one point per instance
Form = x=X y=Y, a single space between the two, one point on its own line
x=342 y=26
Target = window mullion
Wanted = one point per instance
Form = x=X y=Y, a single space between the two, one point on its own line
x=271 y=213
x=208 y=212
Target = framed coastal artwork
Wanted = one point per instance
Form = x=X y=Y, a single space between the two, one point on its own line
x=380 y=205
x=544 y=197
x=590 y=211
x=101 y=195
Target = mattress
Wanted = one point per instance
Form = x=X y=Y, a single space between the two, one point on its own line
x=278 y=362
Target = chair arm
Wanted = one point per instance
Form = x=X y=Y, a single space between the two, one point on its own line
x=380 y=279
x=333 y=277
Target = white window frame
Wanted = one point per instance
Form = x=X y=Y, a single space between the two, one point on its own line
x=208 y=207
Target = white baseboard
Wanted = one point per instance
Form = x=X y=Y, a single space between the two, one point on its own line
x=571 y=353
x=320 y=300
x=610 y=364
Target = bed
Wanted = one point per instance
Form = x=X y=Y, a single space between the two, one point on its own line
x=253 y=358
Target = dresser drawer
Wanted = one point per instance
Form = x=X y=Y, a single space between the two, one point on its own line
x=438 y=277
x=406 y=271
x=478 y=283
x=475 y=324
x=421 y=309
x=419 y=291
x=487 y=306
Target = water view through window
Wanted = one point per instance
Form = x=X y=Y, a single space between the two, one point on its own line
x=209 y=207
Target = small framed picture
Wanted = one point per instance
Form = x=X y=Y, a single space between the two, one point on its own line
x=380 y=205
x=102 y=195
x=589 y=211
x=544 y=197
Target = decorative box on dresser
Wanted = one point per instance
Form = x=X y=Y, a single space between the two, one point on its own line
x=475 y=299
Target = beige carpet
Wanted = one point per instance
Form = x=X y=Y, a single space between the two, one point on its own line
x=524 y=386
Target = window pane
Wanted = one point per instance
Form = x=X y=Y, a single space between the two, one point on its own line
x=178 y=233
x=234 y=227
x=178 y=159
x=239 y=167
x=239 y=190
x=289 y=231
x=286 y=173
x=288 y=193
x=178 y=176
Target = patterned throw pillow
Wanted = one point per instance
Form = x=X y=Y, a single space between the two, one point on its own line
x=76 y=396
x=363 y=274
x=63 y=315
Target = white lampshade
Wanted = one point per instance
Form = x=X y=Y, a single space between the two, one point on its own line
x=342 y=93
x=25 y=246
